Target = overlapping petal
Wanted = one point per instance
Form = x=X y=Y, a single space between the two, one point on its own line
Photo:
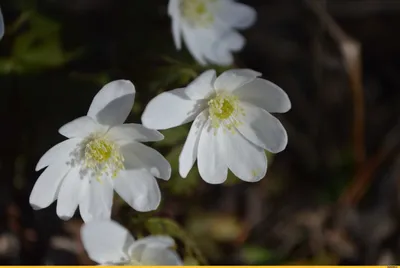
x=81 y=128
x=112 y=105
x=134 y=132
x=247 y=161
x=235 y=78
x=212 y=167
x=266 y=95
x=106 y=241
x=46 y=188
x=189 y=152
x=170 y=109
x=97 y=201
x=202 y=86
x=139 y=189
x=263 y=129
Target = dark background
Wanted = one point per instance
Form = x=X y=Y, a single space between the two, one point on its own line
x=332 y=197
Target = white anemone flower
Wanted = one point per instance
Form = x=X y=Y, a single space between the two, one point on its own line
x=208 y=28
x=102 y=154
x=232 y=123
x=109 y=243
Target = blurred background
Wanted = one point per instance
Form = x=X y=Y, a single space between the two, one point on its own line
x=332 y=197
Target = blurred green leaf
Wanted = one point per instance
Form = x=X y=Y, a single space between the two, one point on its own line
x=256 y=255
x=37 y=48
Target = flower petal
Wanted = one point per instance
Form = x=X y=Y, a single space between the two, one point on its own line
x=235 y=78
x=46 y=188
x=106 y=241
x=237 y=15
x=60 y=150
x=70 y=194
x=160 y=241
x=134 y=132
x=220 y=51
x=170 y=109
x=160 y=256
x=202 y=86
x=263 y=129
x=173 y=12
x=195 y=42
x=243 y=158
x=112 y=105
x=138 y=155
x=210 y=161
x=154 y=241
x=139 y=189
x=189 y=152
x=1 y=25
x=266 y=95
x=97 y=202
x=80 y=128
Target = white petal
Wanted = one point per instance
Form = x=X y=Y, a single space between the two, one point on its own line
x=235 y=78
x=112 y=105
x=134 y=132
x=80 y=128
x=138 y=155
x=170 y=109
x=266 y=95
x=70 y=194
x=173 y=11
x=210 y=161
x=173 y=7
x=237 y=15
x=243 y=158
x=46 y=188
x=106 y=241
x=139 y=189
x=196 y=42
x=220 y=51
x=189 y=152
x=154 y=241
x=97 y=202
x=263 y=129
x=61 y=150
x=1 y=25
x=202 y=86
x=160 y=256
x=160 y=241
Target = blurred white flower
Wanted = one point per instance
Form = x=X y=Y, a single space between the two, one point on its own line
x=109 y=243
x=232 y=123
x=1 y=25
x=208 y=28
x=102 y=154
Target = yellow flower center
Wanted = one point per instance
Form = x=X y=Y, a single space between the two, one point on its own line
x=102 y=156
x=224 y=110
x=197 y=13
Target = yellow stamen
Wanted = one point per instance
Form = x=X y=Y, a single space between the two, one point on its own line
x=224 y=110
x=197 y=12
x=102 y=156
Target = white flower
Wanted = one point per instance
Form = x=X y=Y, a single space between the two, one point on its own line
x=208 y=28
x=109 y=243
x=232 y=124
x=102 y=154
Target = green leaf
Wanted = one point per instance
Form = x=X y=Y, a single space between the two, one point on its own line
x=255 y=255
